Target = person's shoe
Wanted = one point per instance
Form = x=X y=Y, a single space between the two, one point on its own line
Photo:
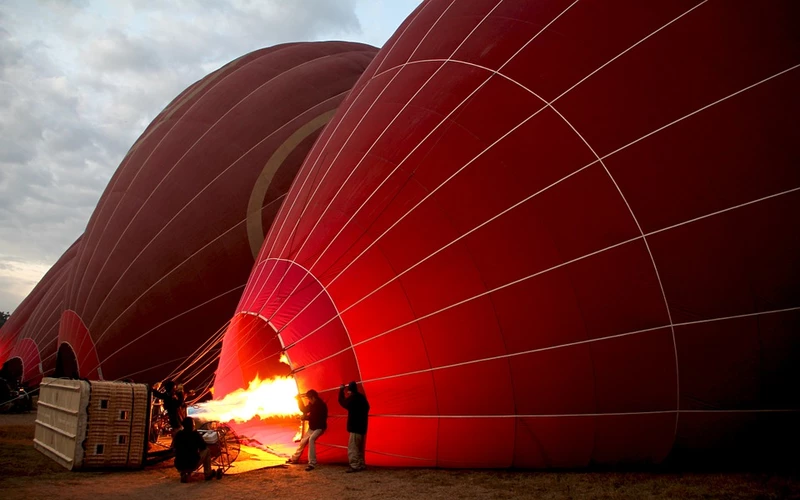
x=219 y=473
x=184 y=477
x=290 y=461
x=211 y=476
x=350 y=470
x=310 y=467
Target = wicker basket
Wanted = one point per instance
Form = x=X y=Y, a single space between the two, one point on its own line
x=96 y=424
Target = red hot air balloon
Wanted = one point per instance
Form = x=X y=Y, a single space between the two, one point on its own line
x=549 y=234
x=29 y=339
x=168 y=249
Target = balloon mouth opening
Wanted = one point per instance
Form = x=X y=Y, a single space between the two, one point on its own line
x=264 y=414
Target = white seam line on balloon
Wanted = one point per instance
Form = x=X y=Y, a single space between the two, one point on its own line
x=156 y=147
x=24 y=349
x=400 y=37
x=76 y=282
x=187 y=377
x=649 y=252
x=16 y=354
x=553 y=184
x=35 y=347
x=130 y=375
x=581 y=342
x=734 y=207
x=44 y=325
x=492 y=73
x=53 y=342
x=626 y=51
x=137 y=339
x=205 y=349
x=81 y=323
x=575 y=415
x=223 y=172
x=336 y=157
x=177 y=162
x=54 y=292
x=37 y=320
x=702 y=109
x=39 y=335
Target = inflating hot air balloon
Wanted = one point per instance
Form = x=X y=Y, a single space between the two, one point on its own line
x=549 y=234
x=167 y=251
x=29 y=339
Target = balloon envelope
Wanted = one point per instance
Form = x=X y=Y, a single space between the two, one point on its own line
x=548 y=234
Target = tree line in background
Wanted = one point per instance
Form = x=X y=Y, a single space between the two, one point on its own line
x=3 y=318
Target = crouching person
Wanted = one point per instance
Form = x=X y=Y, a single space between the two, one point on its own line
x=190 y=451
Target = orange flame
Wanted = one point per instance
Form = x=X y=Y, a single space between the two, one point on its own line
x=262 y=398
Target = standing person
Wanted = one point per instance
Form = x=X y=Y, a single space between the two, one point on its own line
x=357 y=414
x=316 y=412
x=180 y=393
x=190 y=451
x=172 y=404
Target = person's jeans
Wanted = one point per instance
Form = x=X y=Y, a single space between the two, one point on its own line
x=310 y=439
x=355 y=450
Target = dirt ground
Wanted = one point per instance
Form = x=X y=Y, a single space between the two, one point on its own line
x=27 y=474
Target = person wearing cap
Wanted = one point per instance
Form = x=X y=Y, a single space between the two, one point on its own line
x=357 y=414
x=316 y=413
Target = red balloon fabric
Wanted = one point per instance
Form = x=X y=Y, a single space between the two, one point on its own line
x=31 y=333
x=548 y=234
x=167 y=252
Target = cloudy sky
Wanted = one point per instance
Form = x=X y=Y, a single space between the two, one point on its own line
x=81 y=79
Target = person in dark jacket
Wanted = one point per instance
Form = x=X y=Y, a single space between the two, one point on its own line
x=190 y=451
x=316 y=413
x=357 y=414
x=172 y=404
